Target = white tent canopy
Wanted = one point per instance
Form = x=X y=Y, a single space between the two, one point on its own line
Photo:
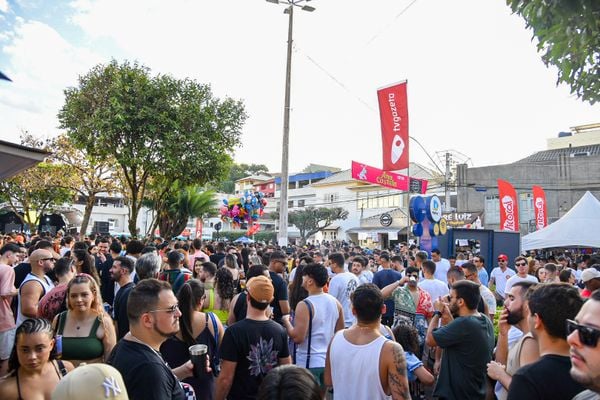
x=577 y=228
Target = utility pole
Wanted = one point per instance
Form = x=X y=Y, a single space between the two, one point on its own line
x=447 y=182
x=282 y=235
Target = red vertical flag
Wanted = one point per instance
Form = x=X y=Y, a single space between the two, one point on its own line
x=393 y=113
x=540 y=207
x=509 y=210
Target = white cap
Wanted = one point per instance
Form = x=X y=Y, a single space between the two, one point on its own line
x=91 y=382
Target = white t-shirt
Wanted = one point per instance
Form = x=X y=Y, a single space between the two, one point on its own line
x=500 y=277
x=516 y=278
x=435 y=288
x=341 y=286
x=489 y=298
x=441 y=270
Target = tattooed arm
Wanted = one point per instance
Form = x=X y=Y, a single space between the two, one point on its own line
x=397 y=380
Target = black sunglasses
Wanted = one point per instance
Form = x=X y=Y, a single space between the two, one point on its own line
x=521 y=264
x=588 y=336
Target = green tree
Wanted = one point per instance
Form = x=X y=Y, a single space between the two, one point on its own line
x=157 y=129
x=568 y=34
x=312 y=220
x=183 y=204
x=239 y=171
x=91 y=177
x=37 y=190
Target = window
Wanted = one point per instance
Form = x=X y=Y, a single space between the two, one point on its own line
x=492 y=209
x=330 y=197
x=526 y=208
x=301 y=184
x=379 y=199
x=301 y=203
x=291 y=204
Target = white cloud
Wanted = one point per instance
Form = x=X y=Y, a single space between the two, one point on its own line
x=4 y=6
x=41 y=64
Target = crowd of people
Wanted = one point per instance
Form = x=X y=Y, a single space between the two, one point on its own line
x=116 y=318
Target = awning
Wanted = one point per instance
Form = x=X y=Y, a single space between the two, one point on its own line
x=16 y=158
x=375 y=230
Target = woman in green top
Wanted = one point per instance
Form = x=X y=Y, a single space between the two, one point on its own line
x=88 y=334
x=223 y=293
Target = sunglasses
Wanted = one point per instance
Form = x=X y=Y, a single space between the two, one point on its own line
x=501 y=260
x=171 y=310
x=588 y=336
x=521 y=264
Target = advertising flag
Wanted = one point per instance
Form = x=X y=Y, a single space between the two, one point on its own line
x=540 y=207
x=509 y=210
x=392 y=180
x=393 y=113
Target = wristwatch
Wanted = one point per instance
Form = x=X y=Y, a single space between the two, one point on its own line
x=438 y=313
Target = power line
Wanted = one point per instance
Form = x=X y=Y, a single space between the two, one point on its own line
x=390 y=24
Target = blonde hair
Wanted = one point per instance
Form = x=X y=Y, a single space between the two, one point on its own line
x=96 y=305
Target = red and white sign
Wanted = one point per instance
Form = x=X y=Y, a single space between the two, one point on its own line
x=198 y=228
x=509 y=210
x=393 y=113
x=392 y=180
x=540 y=207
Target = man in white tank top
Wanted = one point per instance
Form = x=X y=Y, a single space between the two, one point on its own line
x=327 y=318
x=361 y=363
x=36 y=284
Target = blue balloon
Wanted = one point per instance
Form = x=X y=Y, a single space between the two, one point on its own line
x=417 y=209
x=417 y=230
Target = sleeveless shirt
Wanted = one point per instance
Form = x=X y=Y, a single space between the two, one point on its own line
x=47 y=285
x=325 y=316
x=80 y=348
x=355 y=369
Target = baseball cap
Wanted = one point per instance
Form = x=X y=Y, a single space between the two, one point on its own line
x=589 y=274
x=260 y=289
x=503 y=257
x=40 y=254
x=91 y=382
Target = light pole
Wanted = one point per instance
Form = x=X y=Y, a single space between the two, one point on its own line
x=282 y=236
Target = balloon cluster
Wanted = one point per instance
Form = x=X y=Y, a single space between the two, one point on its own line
x=245 y=209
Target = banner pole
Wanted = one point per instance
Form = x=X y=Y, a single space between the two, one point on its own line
x=408 y=206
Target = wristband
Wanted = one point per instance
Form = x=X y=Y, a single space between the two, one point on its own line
x=438 y=313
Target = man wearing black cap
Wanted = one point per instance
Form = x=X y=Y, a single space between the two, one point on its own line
x=251 y=347
x=280 y=303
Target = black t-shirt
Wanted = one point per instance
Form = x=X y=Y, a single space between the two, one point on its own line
x=216 y=258
x=467 y=343
x=256 y=347
x=281 y=293
x=240 y=308
x=383 y=278
x=120 y=309
x=145 y=374
x=21 y=272
x=107 y=287
x=546 y=379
